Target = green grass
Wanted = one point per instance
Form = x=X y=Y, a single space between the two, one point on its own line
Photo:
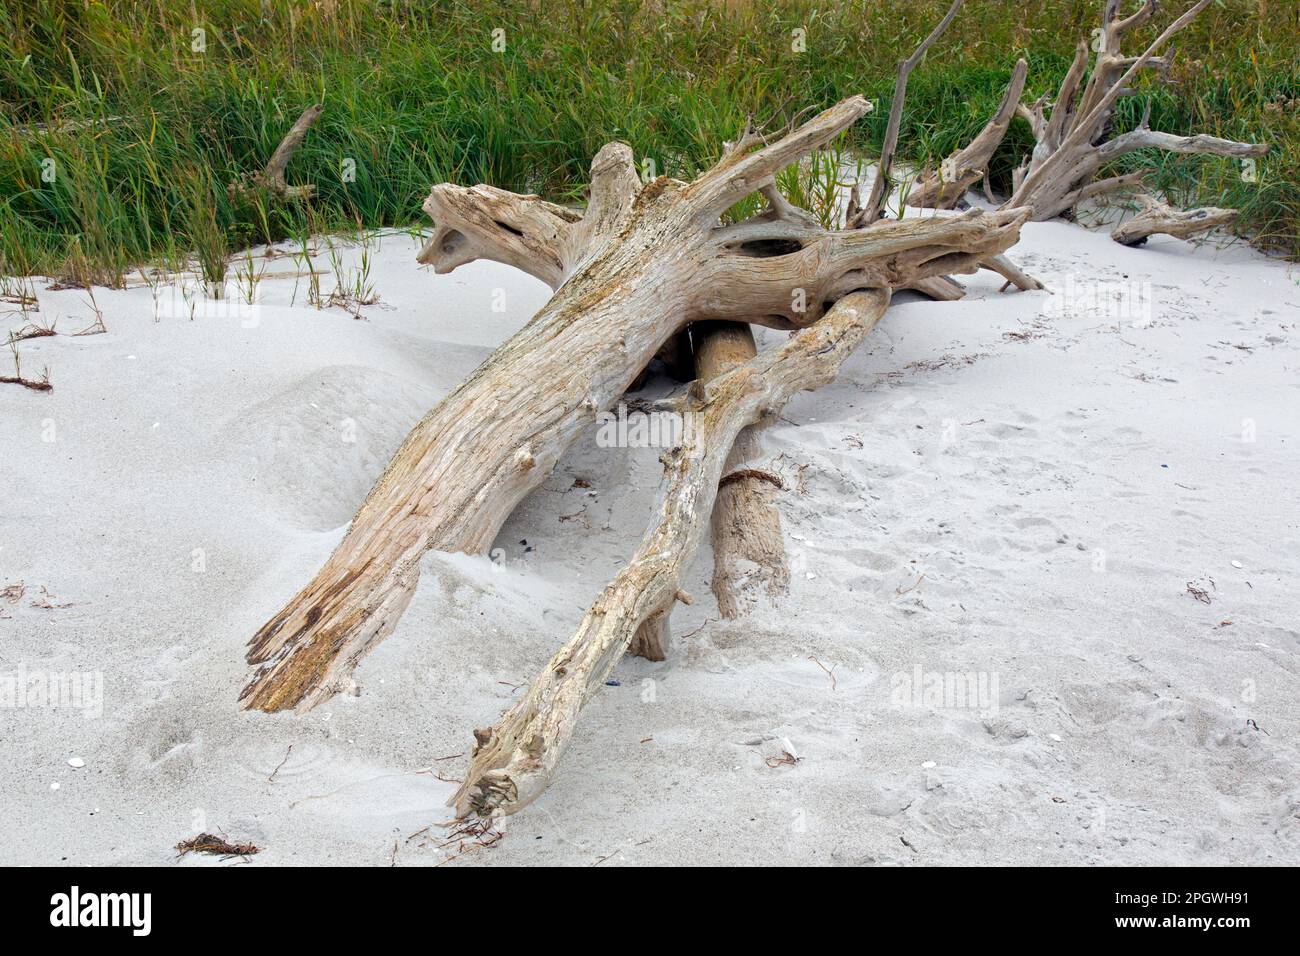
x=145 y=133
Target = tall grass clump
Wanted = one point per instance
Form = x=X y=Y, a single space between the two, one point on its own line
x=120 y=118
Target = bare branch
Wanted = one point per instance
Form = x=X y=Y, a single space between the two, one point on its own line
x=514 y=760
x=1157 y=217
x=1138 y=19
x=1083 y=129
x=1143 y=138
x=1064 y=107
x=1012 y=273
x=965 y=167
x=736 y=176
x=272 y=177
x=880 y=188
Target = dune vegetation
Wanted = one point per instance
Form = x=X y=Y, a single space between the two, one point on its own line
x=122 y=123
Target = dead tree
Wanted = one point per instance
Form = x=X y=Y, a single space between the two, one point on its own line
x=271 y=179
x=1075 y=137
x=1158 y=217
x=632 y=271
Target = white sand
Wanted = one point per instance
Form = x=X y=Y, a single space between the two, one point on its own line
x=1030 y=510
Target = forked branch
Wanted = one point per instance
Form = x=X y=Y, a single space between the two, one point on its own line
x=514 y=760
x=1158 y=217
x=942 y=188
x=1075 y=144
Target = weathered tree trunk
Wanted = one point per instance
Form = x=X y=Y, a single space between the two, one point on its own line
x=1158 y=217
x=748 y=549
x=513 y=761
x=638 y=267
x=1075 y=142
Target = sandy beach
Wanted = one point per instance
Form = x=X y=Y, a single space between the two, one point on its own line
x=1043 y=610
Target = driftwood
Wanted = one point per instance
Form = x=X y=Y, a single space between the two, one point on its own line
x=513 y=760
x=633 y=270
x=943 y=188
x=271 y=179
x=1074 y=140
x=859 y=215
x=631 y=274
x=748 y=549
x=1158 y=217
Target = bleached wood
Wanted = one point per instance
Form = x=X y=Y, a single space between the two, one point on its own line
x=883 y=184
x=939 y=288
x=1145 y=138
x=1158 y=217
x=1075 y=143
x=944 y=187
x=515 y=759
x=538 y=237
x=1012 y=273
x=748 y=549
x=638 y=267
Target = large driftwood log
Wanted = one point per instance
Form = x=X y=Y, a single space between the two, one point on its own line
x=632 y=271
x=1075 y=141
x=1158 y=217
x=944 y=187
x=513 y=761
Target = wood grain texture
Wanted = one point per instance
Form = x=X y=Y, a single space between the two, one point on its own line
x=1076 y=140
x=514 y=760
x=640 y=265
